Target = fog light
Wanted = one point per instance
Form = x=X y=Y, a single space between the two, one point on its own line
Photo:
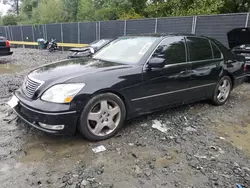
x=52 y=127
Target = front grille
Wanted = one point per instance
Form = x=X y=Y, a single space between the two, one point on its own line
x=30 y=86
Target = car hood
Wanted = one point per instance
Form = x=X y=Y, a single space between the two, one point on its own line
x=238 y=37
x=68 y=69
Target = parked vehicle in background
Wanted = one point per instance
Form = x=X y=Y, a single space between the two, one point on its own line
x=52 y=45
x=90 y=49
x=130 y=76
x=239 y=43
x=4 y=47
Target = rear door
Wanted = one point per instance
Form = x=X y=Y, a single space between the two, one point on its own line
x=169 y=85
x=206 y=60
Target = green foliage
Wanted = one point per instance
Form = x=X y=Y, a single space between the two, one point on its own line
x=234 y=6
x=48 y=11
x=27 y=7
x=10 y=19
x=54 y=11
x=183 y=8
x=70 y=8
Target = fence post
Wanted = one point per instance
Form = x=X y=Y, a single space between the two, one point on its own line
x=194 y=25
x=6 y=34
x=33 y=34
x=11 y=34
x=79 y=33
x=43 y=32
x=247 y=19
x=21 y=28
x=96 y=31
x=125 y=27
x=99 y=30
x=62 y=35
x=156 y=25
x=46 y=33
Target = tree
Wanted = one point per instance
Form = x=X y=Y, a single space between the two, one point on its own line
x=139 y=5
x=27 y=7
x=183 y=7
x=48 y=11
x=70 y=8
x=234 y=6
x=9 y=19
x=93 y=10
x=14 y=5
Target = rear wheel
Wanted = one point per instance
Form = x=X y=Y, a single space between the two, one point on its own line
x=222 y=91
x=102 y=117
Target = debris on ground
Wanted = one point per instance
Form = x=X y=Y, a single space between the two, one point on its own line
x=159 y=126
x=99 y=149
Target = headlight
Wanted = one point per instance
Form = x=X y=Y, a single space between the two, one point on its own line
x=62 y=93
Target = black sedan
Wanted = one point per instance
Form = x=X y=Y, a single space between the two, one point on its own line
x=4 y=47
x=131 y=76
x=88 y=50
x=239 y=44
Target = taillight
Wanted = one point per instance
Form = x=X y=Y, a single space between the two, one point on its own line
x=245 y=67
x=7 y=43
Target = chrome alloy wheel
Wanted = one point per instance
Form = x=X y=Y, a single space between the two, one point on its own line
x=104 y=117
x=223 y=91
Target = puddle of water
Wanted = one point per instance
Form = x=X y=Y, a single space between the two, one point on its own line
x=161 y=161
x=238 y=135
x=164 y=161
x=52 y=149
x=9 y=68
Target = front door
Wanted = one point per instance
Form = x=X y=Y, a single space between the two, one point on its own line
x=169 y=85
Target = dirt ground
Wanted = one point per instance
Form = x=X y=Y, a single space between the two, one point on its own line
x=202 y=146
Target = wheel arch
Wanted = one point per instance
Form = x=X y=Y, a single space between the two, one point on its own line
x=120 y=95
x=231 y=77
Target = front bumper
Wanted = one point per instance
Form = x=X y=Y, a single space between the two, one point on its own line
x=34 y=116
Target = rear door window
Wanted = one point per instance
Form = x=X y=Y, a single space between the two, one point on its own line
x=172 y=49
x=199 y=49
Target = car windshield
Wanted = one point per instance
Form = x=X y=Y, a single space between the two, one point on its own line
x=99 y=43
x=127 y=50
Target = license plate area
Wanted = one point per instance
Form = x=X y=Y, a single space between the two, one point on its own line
x=13 y=102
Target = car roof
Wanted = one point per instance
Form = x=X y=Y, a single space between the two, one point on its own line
x=165 y=35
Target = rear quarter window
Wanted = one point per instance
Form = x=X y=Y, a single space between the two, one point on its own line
x=217 y=53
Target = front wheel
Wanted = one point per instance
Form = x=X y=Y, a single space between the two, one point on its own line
x=102 y=117
x=222 y=91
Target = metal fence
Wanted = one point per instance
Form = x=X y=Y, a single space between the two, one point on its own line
x=215 y=26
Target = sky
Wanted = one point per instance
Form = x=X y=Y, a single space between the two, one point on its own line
x=3 y=8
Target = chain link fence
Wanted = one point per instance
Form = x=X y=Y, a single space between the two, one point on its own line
x=215 y=26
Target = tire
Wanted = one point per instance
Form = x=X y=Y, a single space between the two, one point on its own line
x=98 y=120
x=51 y=49
x=218 y=99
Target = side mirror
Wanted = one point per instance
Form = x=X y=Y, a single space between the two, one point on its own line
x=156 y=62
x=92 y=50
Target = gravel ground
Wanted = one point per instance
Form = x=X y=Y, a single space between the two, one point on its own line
x=201 y=146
